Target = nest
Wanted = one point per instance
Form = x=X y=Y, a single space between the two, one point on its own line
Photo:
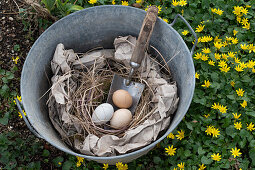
x=81 y=82
x=93 y=88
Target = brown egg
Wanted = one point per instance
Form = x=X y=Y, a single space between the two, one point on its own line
x=122 y=99
x=121 y=118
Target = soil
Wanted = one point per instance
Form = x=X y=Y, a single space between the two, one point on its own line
x=20 y=30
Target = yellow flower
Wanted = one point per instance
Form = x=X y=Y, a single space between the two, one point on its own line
x=15 y=60
x=218 y=45
x=235 y=152
x=180 y=135
x=232 y=83
x=229 y=38
x=243 y=65
x=215 y=106
x=106 y=166
x=206 y=116
x=197 y=76
x=204 y=57
x=215 y=132
x=231 y=54
x=181 y=165
x=238 y=125
x=224 y=56
x=219 y=12
x=207 y=84
x=225 y=43
x=182 y=2
x=237 y=10
x=247 y=6
x=19 y=98
x=139 y=1
x=175 y=169
x=223 y=109
x=238 y=19
x=235 y=32
x=244 y=104
x=170 y=150
x=202 y=167
x=175 y=3
x=185 y=32
x=244 y=21
x=234 y=40
x=240 y=92
x=251 y=48
x=208 y=131
x=165 y=19
x=222 y=63
x=206 y=50
x=60 y=163
x=124 y=3
x=20 y=115
x=92 y=1
x=214 y=10
x=250 y=127
x=236 y=116
x=244 y=11
x=216 y=39
x=206 y=39
x=113 y=2
x=159 y=9
x=198 y=56
x=247 y=26
x=237 y=60
x=250 y=64
x=225 y=69
x=211 y=62
x=79 y=160
x=120 y=166
x=253 y=70
x=217 y=56
x=78 y=164
x=238 y=68
x=216 y=157
x=171 y=135
x=200 y=28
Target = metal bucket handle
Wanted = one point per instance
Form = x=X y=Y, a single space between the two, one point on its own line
x=190 y=28
x=30 y=127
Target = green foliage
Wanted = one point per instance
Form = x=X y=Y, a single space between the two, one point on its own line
x=196 y=147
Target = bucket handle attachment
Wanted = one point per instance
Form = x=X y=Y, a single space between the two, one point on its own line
x=30 y=127
x=190 y=28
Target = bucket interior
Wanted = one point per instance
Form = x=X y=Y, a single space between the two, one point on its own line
x=98 y=27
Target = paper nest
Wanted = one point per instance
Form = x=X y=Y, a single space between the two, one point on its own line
x=164 y=101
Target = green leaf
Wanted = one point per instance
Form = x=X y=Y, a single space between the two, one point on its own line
x=4 y=120
x=67 y=165
x=49 y=4
x=244 y=133
x=156 y=160
x=206 y=160
x=252 y=155
x=45 y=153
x=58 y=160
x=252 y=113
x=189 y=125
x=252 y=143
x=75 y=8
x=231 y=131
x=16 y=47
x=201 y=151
x=187 y=153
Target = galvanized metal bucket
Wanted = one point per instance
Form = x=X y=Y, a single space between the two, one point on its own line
x=87 y=29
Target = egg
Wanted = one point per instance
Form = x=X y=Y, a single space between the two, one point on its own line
x=121 y=118
x=122 y=99
x=102 y=114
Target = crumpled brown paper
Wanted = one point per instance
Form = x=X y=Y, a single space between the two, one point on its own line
x=164 y=101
